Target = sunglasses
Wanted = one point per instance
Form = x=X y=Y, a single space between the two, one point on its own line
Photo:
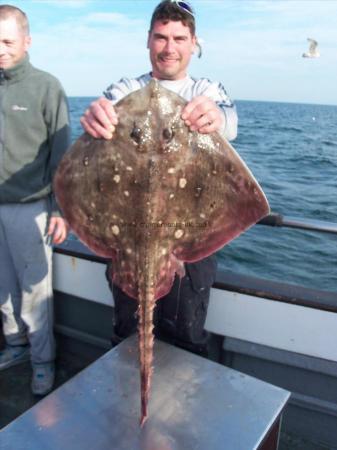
x=184 y=6
x=188 y=8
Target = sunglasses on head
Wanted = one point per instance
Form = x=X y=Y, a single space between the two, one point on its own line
x=188 y=8
x=184 y=6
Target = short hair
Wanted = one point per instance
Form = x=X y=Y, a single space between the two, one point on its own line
x=169 y=10
x=21 y=18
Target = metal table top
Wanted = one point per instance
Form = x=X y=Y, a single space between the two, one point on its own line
x=195 y=404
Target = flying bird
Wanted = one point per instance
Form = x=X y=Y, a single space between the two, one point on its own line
x=312 y=52
x=199 y=43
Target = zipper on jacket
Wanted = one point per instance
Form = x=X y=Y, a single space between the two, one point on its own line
x=2 y=114
x=2 y=76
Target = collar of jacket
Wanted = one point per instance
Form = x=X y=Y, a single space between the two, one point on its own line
x=17 y=72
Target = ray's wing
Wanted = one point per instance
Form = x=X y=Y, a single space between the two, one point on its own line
x=217 y=197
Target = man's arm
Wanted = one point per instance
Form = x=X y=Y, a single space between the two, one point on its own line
x=57 y=120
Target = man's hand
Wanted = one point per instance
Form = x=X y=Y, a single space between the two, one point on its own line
x=203 y=115
x=58 y=228
x=100 y=119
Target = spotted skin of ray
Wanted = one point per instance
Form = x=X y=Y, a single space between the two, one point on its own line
x=153 y=197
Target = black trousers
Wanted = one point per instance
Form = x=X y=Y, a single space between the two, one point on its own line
x=180 y=316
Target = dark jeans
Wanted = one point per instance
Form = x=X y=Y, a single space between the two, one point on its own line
x=179 y=317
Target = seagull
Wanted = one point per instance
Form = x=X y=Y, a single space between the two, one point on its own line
x=312 y=52
x=199 y=42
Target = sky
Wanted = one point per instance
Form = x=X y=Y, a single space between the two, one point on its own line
x=254 y=47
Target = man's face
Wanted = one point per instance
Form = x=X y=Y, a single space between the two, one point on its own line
x=13 y=43
x=171 y=46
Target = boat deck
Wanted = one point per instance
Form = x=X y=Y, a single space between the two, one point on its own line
x=16 y=397
x=15 y=392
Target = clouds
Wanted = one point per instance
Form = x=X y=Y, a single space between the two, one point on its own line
x=112 y=18
x=253 y=46
x=64 y=3
x=256 y=49
x=89 y=51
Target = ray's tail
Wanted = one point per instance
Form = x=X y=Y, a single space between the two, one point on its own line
x=146 y=342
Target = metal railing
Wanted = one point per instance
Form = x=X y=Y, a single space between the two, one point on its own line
x=273 y=290
x=278 y=220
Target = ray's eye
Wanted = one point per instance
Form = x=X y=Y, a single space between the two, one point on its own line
x=136 y=133
x=168 y=134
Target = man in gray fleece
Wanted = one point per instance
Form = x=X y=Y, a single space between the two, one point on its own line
x=34 y=134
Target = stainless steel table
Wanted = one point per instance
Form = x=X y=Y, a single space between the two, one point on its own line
x=195 y=404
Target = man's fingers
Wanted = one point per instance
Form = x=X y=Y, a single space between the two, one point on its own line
x=191 y=106
x=202 y=114
x=210 y=119
x=210 y=127
x=57 y=235
x=100 y=119
x=109 y=110
x=60 y=235
x=88 y=128
x=95 y=129
x=58 y=228
x=102 y=112
x=64 y=229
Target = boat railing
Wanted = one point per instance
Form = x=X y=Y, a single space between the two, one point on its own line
x=278 y=220
x=249 y=285
x=281 y=291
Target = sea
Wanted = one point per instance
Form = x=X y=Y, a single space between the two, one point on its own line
x=292 y=151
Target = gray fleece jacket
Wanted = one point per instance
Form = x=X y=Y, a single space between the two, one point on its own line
x=34 y=132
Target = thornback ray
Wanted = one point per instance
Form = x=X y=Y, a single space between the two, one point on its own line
x=153 y=197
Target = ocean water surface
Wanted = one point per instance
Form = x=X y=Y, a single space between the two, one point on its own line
x=292 y=151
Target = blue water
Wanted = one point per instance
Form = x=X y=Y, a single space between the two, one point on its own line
x=292 y=151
